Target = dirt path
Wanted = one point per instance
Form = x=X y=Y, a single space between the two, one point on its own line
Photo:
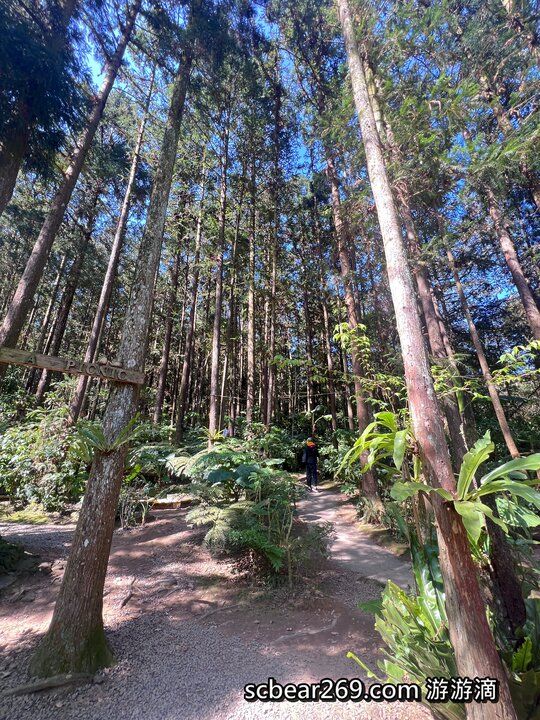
x=188 y=633
x=352 y=549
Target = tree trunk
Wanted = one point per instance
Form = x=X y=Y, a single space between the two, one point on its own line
x=188 y=349
x=449 y=401
x=215 y=404
x=486 y=372
x=169 y=317
x=75 y=641
x=369 y=482
x=506 y=584
x=474 y=647
x=532 y=312
x=326 y=330
x=250 y=400
x=271 y=389
x=45 y=324
x=22 y=300
x=112 y=267
x=62 y=316
x=228 y=366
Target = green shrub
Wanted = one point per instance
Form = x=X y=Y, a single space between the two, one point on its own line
x=249 y=507
x=35 y=463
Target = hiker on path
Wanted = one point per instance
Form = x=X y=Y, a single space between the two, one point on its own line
x=309 y=457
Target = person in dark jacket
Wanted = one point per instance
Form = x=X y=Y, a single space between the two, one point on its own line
x=310 y=457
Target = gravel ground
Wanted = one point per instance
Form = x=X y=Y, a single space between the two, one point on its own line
x=173 y=666
x=186 y=671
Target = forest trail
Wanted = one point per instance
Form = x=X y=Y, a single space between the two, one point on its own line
x=350 y=547
x=188 y=633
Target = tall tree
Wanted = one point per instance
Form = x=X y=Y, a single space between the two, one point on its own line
x=76 y=640
x=465 y=608
x=22 y=299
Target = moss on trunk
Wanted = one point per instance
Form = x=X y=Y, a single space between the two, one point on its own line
x=60 y=653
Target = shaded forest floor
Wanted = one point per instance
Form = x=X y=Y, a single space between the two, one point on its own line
x=188 y=632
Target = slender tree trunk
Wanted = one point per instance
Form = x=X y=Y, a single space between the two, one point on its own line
x=112 y=266
x=228 y=366
x=22 y=300
x=474 y=647
x=164 y=364
x=369 y=482
x=506 y=584
x=250 y=401
x=326 y=330
x=486 y=372
x=271 y=390
x=75 y=641
x=68 y=295
x=309 y=357
x=449 y=401
x=31 y=318
x=45 y=324
x=215 y=403
x=329 y=364
x=188 y=350
x=510 y=255
x=275 y=183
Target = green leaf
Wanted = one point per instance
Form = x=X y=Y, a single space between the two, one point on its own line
x=387 y=419
x=364 y=667
x=403 y=490
x=400 y=447
x=478 y=454
x=516 y=488
x=530 y=462
x=445 y=494
x=244 y=470
x=486 y=510
x=472 y=518
x=219 y=475
x=522 y=657
x=516 y=515
x=371 y=606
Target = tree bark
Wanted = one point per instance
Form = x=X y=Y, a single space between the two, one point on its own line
x=532 y=312
x=228 y=365
x=474 y=647
x=112 y=267
x=509 y=596
x=215 y=403
x=486 y=372
x=75 y=641
x=275 y=182
x=188 y=349
x=369 y=482
x=22 y=300
x=449 y=401
x=250 y=400
x=169 y=317
x=45 y=324
x=62 y=316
